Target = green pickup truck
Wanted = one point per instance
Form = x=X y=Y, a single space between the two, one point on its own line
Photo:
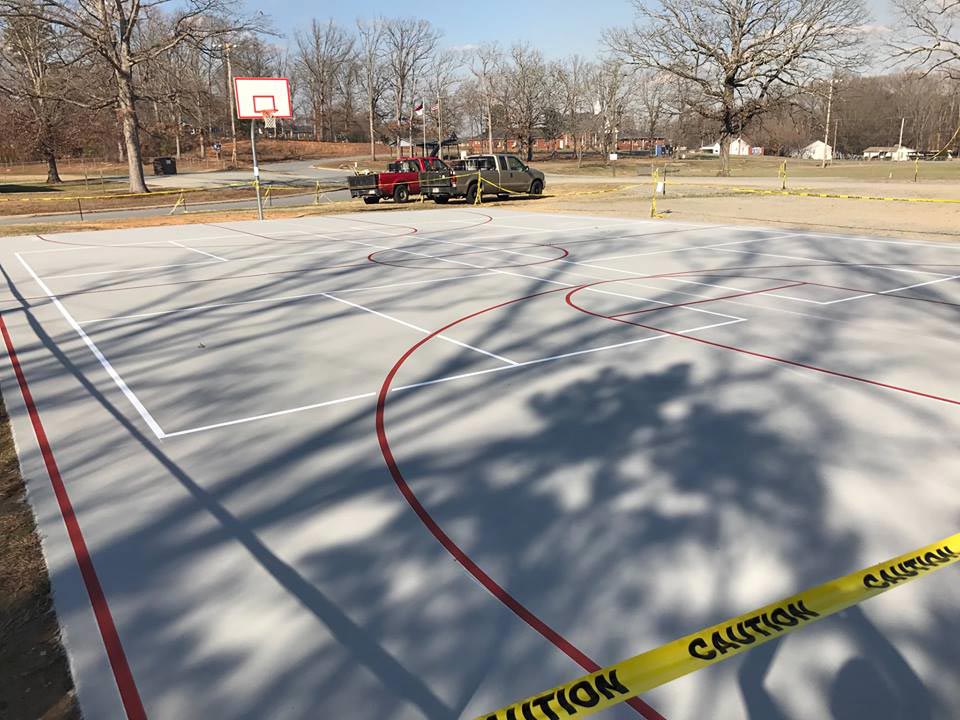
x=503 y=175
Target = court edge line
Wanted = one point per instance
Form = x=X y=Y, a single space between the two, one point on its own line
x=122 y=675
x=438 y=381
x=119 y=381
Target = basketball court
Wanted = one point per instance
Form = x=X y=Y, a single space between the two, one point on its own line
x=419 y=464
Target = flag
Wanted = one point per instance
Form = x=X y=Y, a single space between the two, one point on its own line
x=418 y=109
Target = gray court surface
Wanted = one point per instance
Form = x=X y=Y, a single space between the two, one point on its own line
x=770 y=409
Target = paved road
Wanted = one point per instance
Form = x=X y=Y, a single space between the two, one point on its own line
x=288 y=172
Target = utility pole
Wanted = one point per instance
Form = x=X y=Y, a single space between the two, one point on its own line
x=833 y=152
x=826 y=129
x=228 y=72
x=439 y=126
x=903 y=120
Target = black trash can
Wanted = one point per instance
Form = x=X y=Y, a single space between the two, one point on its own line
x=164 y=166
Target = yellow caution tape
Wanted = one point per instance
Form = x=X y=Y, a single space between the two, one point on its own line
x=620 y=682
x=112 y=196
x=802 y=193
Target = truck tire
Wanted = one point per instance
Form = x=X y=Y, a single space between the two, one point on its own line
x=371 y=200
x=472 y=194
x=536 y=187
x=441 y=199
x=401 y=194
x=503 y=196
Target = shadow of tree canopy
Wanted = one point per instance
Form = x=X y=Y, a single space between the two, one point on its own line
x=625 y=499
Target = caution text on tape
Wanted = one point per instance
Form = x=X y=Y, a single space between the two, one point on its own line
x=617 y=683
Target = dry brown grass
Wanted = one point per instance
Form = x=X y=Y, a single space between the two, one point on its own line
x=29 y=204
x=35 y=679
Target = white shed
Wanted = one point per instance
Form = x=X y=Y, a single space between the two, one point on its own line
x=817 y=150
x=902 y=153
x=737 y=147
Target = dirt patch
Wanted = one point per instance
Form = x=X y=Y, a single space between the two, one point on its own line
x=871 y=217
x=35 y=680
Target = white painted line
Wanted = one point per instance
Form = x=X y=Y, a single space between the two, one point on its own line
x=788 y=257
x=277 y=299
x=675 y=250
x=151 y=423
x=569 y=262
x=892 y=290
x=144 y=243
x=540 y=279
x=202 y=252
x=437 y=381
x=264 y=416
x=946 y=245
x=203 y=262
x=501 y=358
x=132 y=270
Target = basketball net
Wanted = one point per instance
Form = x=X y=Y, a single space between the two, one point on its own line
x=269 y=121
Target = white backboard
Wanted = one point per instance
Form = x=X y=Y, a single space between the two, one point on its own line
x=258 y=94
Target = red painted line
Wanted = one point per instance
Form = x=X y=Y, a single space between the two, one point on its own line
x=129 y=694
x=752 y=353
x=372 y=258
x=450 y=545
x=707 y=300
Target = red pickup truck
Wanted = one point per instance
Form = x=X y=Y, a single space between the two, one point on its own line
x=401 y=180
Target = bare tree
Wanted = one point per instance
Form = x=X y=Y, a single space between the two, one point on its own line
x=440 y=79
x=371 y=76
x=654 y=93
x=930 y=34
x=409 y=44
x=322 y=54
x=573 y=80
x=613 y=83
x=740 y=58
x=527 y=94
x=112 y=31
x=487 y=68
x=32 y=75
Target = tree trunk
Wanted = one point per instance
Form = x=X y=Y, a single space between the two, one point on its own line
x=373 y=142
x=727 y=128
x=489 y=129
x=725 y=139
x=529 y=148
x=131 y=130
x=53 y=175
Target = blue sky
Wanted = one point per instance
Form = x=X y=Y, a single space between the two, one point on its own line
x=557 y=27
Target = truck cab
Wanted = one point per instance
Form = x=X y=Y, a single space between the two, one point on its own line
x=502 y=175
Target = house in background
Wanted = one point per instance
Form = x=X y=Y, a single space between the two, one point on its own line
x=738 y=147
x=897 y=153
x=817 y=150
x=641 y=143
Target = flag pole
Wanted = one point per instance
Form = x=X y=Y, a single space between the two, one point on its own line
x=439 y=126
x=423 y=105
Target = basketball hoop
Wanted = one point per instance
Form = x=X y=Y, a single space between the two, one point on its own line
x=266 y=99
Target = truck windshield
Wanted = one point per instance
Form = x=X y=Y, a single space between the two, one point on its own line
x=435 y=164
